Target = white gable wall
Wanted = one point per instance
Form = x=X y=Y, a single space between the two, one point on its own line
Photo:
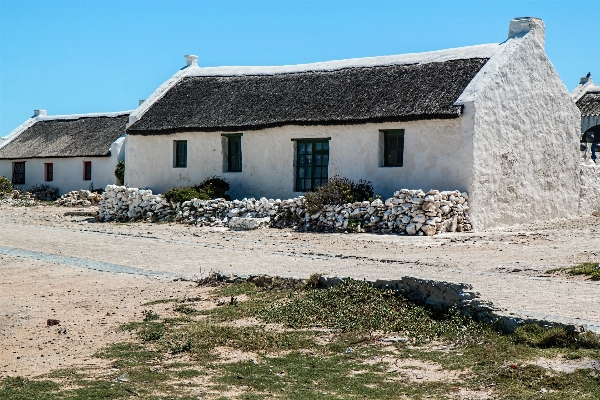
x=68 y=171
x=437 y=155
x=526 y=143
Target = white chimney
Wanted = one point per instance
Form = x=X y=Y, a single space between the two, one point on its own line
x=192 y=61
x=519 y=27
x=140 y=102
x=39 y=113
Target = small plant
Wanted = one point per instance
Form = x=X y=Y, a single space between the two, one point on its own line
x=6 y=185
x=181 y=194
x=592 y=270
x=353 y=223
x=214 y=188
x=150 y=315
x=182 y=308
x=338 y=191
x=120 y=172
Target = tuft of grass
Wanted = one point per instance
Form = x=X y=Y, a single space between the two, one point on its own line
x=537 y=336
x=182 y=308
x=161 y=301
x=591 y=270
x=150 y=315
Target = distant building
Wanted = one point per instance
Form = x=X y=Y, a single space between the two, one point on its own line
x=493 y=120
x=69 y=152
x=587 y=97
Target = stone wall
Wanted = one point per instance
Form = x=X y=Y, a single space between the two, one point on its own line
x=411 y=212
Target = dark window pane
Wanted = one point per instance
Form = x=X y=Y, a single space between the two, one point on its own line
x=312 y=164
x=393 y=148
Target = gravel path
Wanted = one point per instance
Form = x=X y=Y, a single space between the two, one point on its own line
x=506 y=267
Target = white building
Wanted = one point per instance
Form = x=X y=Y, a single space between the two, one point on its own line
x=587 y=98
x=69 y=152
x=493 y=120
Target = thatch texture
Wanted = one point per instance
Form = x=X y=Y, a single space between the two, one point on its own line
x=345 y=96
x=589 y=104
x=81 y=137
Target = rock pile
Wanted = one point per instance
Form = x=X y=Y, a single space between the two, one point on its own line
x=18 y=198
x=411 y=212
x=79 y=198
x=44 y=192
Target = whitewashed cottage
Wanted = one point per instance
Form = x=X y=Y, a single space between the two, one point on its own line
x=68 y=152
x=493 y=120
x=587 y=98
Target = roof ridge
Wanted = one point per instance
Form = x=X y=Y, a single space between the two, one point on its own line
x=466 y=52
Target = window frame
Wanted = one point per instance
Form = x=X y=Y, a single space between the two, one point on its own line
x=230 y=138
x=389 y=134
x=313 y=163
x=48 y=172
x=87 y=170
x=177 y=162
x=14 y=173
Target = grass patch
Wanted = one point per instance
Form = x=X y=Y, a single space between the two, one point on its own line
x=591 y=270
x=161 y=301
x=357 y=306
x=325 y=344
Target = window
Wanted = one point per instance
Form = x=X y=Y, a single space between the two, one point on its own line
x=49 y=172
x=87 y=170
x=312 y=160
x=18 y=177
x=180 y=154
x=393 y=147
x=234 y=153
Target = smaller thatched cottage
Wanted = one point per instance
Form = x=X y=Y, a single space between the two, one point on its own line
x=68 y=152
x=587 y=98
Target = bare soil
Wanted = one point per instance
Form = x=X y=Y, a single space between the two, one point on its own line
x=508 y=267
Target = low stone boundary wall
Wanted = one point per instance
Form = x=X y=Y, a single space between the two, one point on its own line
x=411 y=212
x=79 y=198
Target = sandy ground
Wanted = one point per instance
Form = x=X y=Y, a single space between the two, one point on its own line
x=507 y=267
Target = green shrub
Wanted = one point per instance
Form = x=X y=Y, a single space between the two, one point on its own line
x=181 y=194
x=6 y=185
x=338 y=191
x=214 y=188
x=120 y=172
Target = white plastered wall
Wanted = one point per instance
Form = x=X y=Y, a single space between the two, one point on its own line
x=437 y=155
x=68 y=171
x=526 y=143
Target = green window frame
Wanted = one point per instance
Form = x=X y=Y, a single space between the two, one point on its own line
x=180 y=153
x=312 y=163
x=234 y=153
x=393 y=147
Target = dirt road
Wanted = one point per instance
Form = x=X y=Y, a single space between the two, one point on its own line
x=507 y=267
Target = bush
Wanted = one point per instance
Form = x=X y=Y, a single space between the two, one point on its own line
x=209 y=189
x=120 y=172
x=214 y=188
x=6 y=185
x=338 y=191
x=181 y=194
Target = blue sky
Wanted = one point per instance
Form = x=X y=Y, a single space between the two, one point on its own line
x=102 y=55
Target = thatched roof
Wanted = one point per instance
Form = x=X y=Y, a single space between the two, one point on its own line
x=589 y=103
x=66 y=136
x=350 y=95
